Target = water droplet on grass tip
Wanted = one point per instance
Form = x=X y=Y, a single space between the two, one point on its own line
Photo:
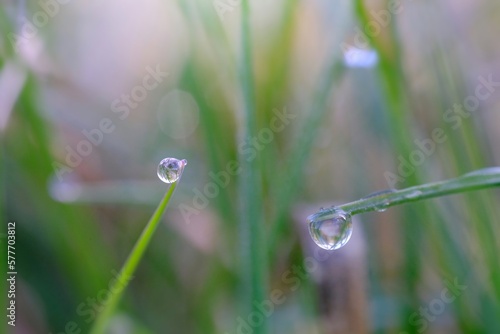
x=330 y=232
x=170 y=169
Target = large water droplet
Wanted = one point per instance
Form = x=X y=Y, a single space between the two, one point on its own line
x=170 y=169
x=330 y=232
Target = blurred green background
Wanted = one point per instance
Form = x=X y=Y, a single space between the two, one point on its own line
x=348 y=96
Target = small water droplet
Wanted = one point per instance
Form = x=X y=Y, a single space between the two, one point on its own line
x=378 y=193
x=413 y=194
x=329 y=232
x=170 y=169
x=382 y=206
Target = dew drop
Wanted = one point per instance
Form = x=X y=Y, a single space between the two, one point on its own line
x=382 y=206
x=170 y=169
x=330 y=232
x=378 y=193
x=413 y=194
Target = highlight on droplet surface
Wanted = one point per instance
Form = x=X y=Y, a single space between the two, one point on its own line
x=170 y=169
x=330 y=231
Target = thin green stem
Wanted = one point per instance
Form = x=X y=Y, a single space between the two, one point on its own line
x=253 y=271
x=480 y=179
x=128 y=269
x=390 y=68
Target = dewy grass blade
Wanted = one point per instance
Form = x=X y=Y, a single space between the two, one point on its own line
x=480 y=179
x=254 y=264
x=331 y=228
x=128 y=269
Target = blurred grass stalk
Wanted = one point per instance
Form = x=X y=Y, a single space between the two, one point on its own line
x=392 y=78
x=254 y=270
x=393 y=81
x=289 y=182
x=128 y=269
x=476 y=180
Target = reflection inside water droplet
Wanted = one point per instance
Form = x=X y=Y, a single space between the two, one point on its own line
x=332 y=231
x=170 y=169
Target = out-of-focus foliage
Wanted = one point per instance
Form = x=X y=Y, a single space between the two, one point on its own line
x=94 y=94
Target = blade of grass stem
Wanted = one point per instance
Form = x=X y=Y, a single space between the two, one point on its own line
x=480 y=179
x=128 y=269
x=254 y=276
x=391 y=74
x=468 y=151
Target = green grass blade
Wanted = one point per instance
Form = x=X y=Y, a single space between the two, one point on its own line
x=398 y=111
x=290 y=182
x=480 y=179
x=254 y=276
x=128 y=269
